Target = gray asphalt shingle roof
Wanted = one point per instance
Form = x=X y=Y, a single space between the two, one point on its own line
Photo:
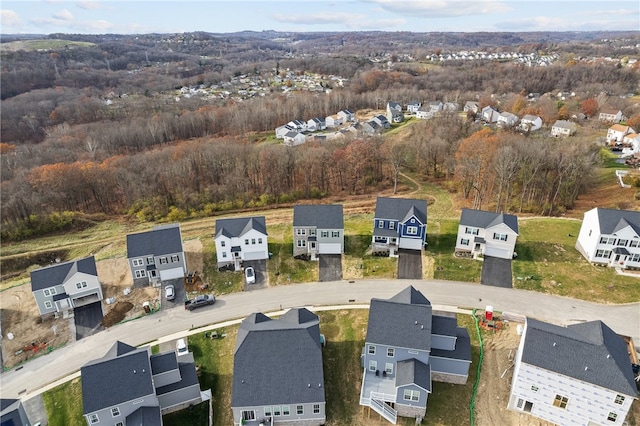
x=412 y=371
x=400 y=209
x=484 y=219
x=444 y=326
x=144 y=416
x=236 y=227
x=462 y=350
x=159 y=241
x=188 y=375
x=590 y=352
x=59 y=273
x=323 y=216
x=163 y=362
x=612 y=221
x=278 y=361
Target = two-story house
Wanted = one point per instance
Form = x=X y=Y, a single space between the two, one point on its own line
x=294 y=138
x=489 y=114
x=240 y=239
x=407 y=347
x=610 y=115
x=413 y=106
x=507 y=119
x=278 y=376
x=381 y=120
x=487 y=233
x=530 y=123
x=60 y=288
x=471 y=107
x=399 y=223
x=157 y=255
x=610 y=237
x=563 y=128
x=317 y=230
x=394 y=112
x=617 y=132
x=131 y=386
x=347 y=115
x=575 y=375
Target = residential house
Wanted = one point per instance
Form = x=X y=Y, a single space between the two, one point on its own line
x=347 y=115
x=471 y=107
x=610 y=237
x=240 y=239
x=435 y=107
x=424 y=113
x=131 y=386
x=413 y=107
x=617 y=132
x=563 y=128
x=407 y=347
x=399 y=223
x=61 y=287
x=371 y=127
x=382 y=121
x=316 y=124
x=333 y=120
x=450 y=107
x=294 y=138
x=631 y=144
x=283 y=130
x=487 y=234
x=489 y=114
x=278 y=376
x=530 y=123
x=317 y=230
x=12 y=413
x=507 y=119
x=609 y=115
x=575 y=375
x=298 y=125
x=394 y=112
x=157 y=255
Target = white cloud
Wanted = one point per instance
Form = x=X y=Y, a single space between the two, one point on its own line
x=89 y=5
x=9 y=18
x=63 y=15
x=442 y=8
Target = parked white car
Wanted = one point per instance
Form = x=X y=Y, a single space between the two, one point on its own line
x=170 y=292
x=181 y=347
x=250 y=275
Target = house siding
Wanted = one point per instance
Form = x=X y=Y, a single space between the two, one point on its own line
x=401 y=354
x=321 y=240
x=126 y=408
x=449 y=369
x=497 y=248
x=308 y=418
x=41 y=299
x=420 y=404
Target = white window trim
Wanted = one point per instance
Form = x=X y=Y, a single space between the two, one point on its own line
x=137 y=262
x=48 y=304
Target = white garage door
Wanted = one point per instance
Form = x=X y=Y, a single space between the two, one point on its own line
x=171 y=274
x=329 y=248
x=255 y=255
x=411 y=243
x=497 y=252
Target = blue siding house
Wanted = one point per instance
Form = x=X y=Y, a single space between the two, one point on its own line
x=399 y=223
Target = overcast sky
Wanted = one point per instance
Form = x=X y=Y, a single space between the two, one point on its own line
x=163 y=16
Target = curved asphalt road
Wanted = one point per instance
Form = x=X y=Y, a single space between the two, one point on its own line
x=624 y=319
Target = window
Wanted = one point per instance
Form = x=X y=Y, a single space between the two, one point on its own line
x=223 y=243
x=316 y=408
x=301 y=243
x=372 y=350
x=246 y=242
x=520 y=402
x=607 y=240
x=312 y=232
x=140 y=273
x=635 y=258
x=259 y=240
x=622 y=242
x=501 y=237
x=335 y=234
x=119 y=424
x=50 y=291
x=464 y=242
x=276 y=411
x=412 y=230
x=301 y=231
x=93 y=418
x=299 y=410
x=115 y=412
x=603 y=253
x=175 y=258
x=163 y=260
x=472 y=231
x=137 y=262
x=48 y=305
x=392 y=225
x=248 y=415
x=373 y=365
x=391 y=352
x=388 y=368
x=534 y=388
x=150 y=260
x=224 y=254
x=380 y=224
x=411 y=395
x=324 y=234
x=634 y=243
x=253 y=241
x=619 y=399
x=612 y=417
x=80 y=285
x=285 y=410
x=560 y=401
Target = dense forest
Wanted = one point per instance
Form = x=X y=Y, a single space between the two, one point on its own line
x=102 y=125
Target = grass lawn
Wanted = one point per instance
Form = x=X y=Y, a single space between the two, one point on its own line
x=442 y=242
x=64 y=404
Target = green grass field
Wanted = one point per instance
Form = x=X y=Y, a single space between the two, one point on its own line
x=64 y=404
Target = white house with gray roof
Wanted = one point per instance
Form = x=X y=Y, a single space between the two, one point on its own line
x=563 y=128
x=399 y=223
x=61 y=287
x=610 y=237
x=407 y=347
x=278 y=376
x=487 y=234
x=130 y=386
x=157 y=255
x=575 y=375
x=240 y=239
x=318 y=229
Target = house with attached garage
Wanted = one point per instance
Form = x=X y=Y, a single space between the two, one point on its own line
x=617 y=132
x=610 y=237
x=399 y=223
x=294 y=138
x=347 y=115
x=61 y=287
x=317 y=230
x=382 y=121
x=609 y=115
x=408 y=346
x=278 y=376
x=333 y=120
x=394 y=112
x=563 y=128
x=575 y=375
x=413 y=107
x=157 y=255
x=487 y=234
x=131 y=386
x=507 y=119
x=240 y=239
x=283 y=130
x=530 y=123
x=471 y=107
x=489 y=114
x=316 y=124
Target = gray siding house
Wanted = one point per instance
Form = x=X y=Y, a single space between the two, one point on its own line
x=12 y=413
x=318 y=229
x=64 y=286
x=407 y=347
x=277 y=371
x=487 y=233
x=399 y=223
x=157 y=255
x=129 y=386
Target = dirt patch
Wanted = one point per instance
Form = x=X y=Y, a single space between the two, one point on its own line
x=117 y=313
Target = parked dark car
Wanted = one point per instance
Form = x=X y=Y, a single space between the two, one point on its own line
x=201 y=300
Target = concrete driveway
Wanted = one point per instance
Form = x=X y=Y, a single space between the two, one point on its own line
x=410 y=264
x=260 y=268
x=88 y=319
x=330 y=267
x=497 y=272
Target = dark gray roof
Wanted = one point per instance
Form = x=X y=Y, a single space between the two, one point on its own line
x=483 y=219
x=111 y=381
x=57 y=274
x=163 y=362
x=590 y=352
x=119 y=348
x=236 y=227
x=400 y=208
x=612 y=221
x=322 y=216
x=159 y=241
x=9 y=405
x=188 y=377
x=412 y=371
x=444 y=326
x=404 y=321
x=278 y=361
x=145 y=416
x=462 y=350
